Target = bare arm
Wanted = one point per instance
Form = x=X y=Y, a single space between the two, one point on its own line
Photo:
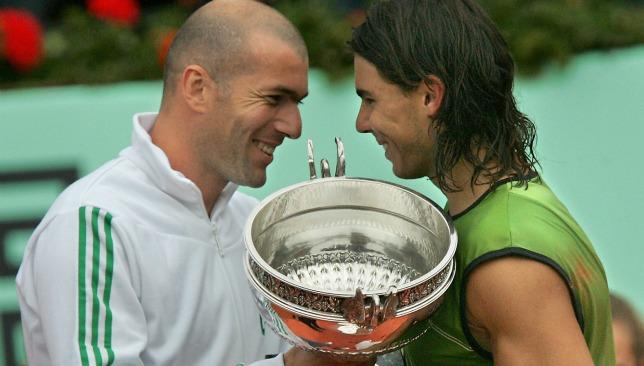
x=521 y=310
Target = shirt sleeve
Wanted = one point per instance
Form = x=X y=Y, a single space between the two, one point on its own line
x=78 y=302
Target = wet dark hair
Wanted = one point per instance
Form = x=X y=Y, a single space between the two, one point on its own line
x=455 y=40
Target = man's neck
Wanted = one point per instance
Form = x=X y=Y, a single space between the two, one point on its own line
x=461 y=200
x=175 y=142
x=467 y=193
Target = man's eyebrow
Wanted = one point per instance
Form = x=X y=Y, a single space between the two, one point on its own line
x=362 y=93
x=291 y=93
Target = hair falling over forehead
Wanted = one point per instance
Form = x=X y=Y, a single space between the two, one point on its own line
x=479 y=122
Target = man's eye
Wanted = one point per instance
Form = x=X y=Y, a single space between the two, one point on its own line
x=368 y=101
x=273 y=99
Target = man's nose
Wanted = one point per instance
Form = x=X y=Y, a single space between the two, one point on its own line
x=290 y=123
x=362 y=124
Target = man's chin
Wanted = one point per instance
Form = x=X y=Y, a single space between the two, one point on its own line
x=254 y=182
x=399 y=172
x=406 y=174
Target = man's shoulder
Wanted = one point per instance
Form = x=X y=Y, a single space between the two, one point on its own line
x=112 y=187
x=101 y=187
x=62 y=218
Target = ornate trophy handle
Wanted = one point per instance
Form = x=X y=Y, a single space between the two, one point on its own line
x=341 y=165
x=370 y=311
x=325 y=170
x=309 y=153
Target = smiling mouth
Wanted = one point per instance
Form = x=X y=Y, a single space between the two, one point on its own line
x=268 y=150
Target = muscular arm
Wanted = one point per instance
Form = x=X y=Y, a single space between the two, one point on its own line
x=521 y=310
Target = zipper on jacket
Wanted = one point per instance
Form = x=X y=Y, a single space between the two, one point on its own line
x=216 y=236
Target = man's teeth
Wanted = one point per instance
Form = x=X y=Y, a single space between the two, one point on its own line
x=265 y=148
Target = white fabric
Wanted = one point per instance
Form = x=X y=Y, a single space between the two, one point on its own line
x=177 y=294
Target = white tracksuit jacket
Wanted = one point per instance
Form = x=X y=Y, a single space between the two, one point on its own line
x=126 y=268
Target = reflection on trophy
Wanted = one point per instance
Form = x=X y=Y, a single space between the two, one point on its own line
x=348 y=266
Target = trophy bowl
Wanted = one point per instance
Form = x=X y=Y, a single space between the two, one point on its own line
x=348 y=266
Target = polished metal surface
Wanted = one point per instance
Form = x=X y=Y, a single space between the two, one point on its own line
x=332 y=333
x=347 y=265
x=348 y=271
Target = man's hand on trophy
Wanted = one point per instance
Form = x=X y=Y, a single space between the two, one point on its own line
x=299 y=357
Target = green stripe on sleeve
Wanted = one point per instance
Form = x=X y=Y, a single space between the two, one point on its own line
x=109 y=268
x=96 y=260
x=82 y=296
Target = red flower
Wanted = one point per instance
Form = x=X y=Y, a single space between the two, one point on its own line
x=164 y=46
x=21 y=39
x=125 y=12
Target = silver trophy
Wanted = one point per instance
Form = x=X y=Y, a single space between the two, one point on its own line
x=348 y=266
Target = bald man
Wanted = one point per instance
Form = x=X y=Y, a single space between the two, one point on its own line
x=139 y=263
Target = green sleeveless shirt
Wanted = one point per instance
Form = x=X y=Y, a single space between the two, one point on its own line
x=531 y=223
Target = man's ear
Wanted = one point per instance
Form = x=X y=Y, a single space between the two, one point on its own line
x=198 y=88
x=433 y=91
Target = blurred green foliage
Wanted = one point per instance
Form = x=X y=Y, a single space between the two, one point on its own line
x=545 y=31
x=538 y=32
x=326 y=30
x=82 y=49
